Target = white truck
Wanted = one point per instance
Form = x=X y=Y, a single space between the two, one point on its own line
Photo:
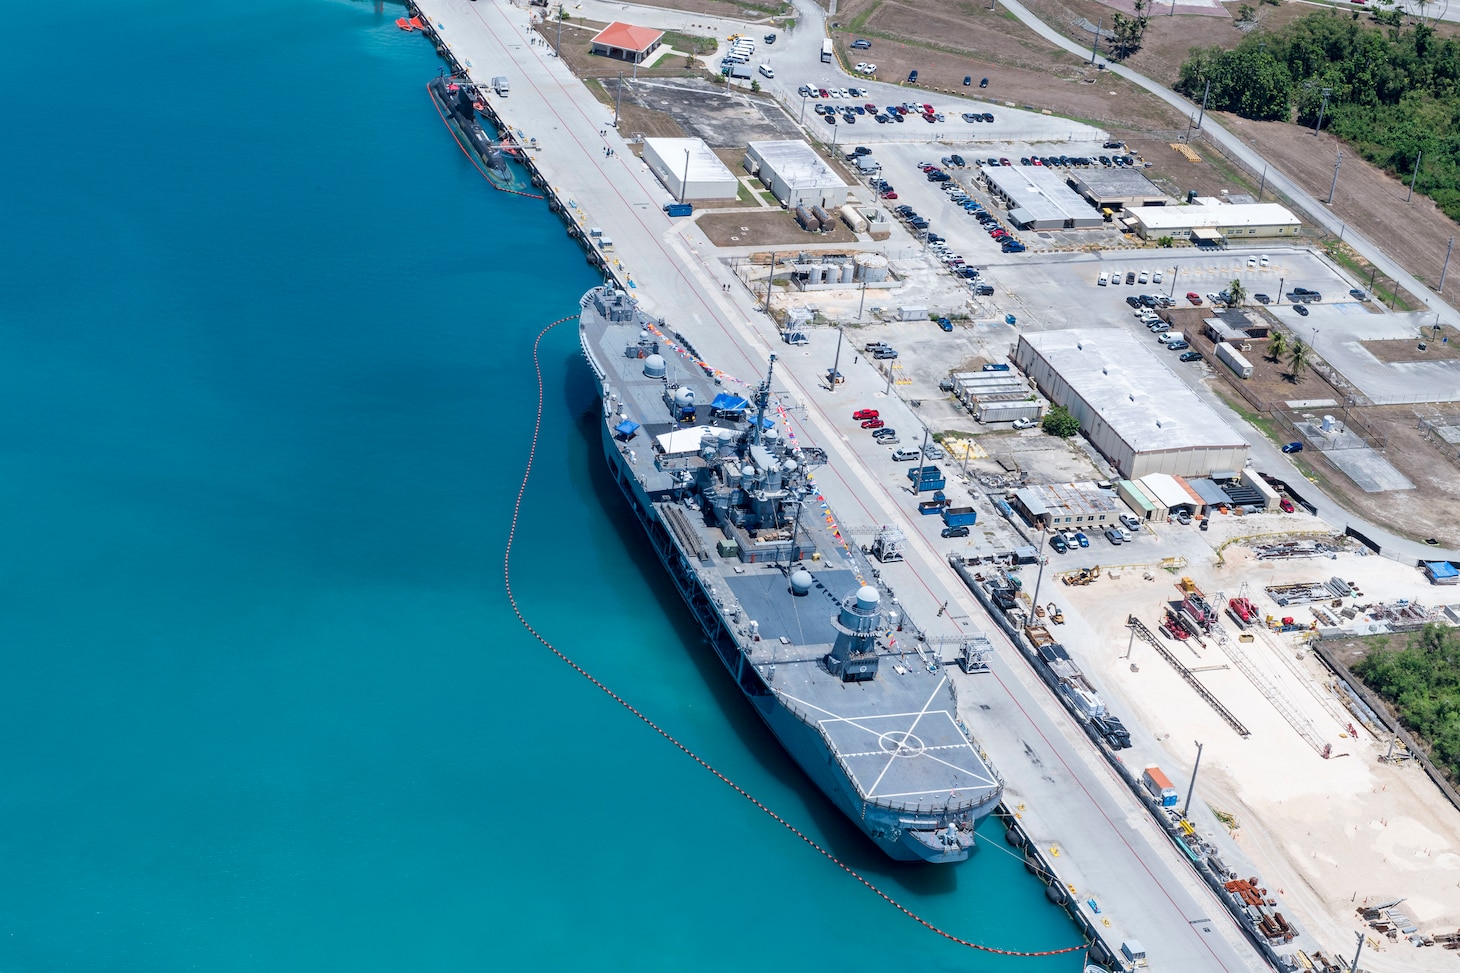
x=501 y=86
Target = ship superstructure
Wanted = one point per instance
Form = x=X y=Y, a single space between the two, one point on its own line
x=799 y=618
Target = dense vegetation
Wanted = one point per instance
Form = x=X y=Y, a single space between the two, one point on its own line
x=1059 y=422
x=1394 y=91
x=1422 y=682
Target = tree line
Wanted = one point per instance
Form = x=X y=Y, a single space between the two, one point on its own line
x=1422 y=682
x=1393 y=91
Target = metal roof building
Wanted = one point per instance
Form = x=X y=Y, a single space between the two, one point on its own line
x=690 y=169
x=1117 y=188
x=1212 y=221
x=625 y=42
x=1130 y=405
x=795 y=174
x=1039 y=198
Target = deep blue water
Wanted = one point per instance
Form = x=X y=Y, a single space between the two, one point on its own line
x=265 y=397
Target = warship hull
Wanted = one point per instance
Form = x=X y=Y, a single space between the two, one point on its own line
x=848 y=734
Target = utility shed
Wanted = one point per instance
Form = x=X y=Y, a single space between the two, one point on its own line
x=1136 y=499
x=1039 y=198
x=625 y=42
x=689 y=169
x=1130 y=405
x=795 y=174
x=1117 y=189
x=1169 y=492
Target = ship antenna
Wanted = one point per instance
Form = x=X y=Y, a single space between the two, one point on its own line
x=762 y=397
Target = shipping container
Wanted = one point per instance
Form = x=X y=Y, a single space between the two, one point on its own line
x=1234 y=360
x=960 y=517
x=1159 y=785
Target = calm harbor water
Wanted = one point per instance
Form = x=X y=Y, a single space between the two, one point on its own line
x=264 y=403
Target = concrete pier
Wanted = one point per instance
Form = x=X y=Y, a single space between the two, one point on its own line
x=1061 y=796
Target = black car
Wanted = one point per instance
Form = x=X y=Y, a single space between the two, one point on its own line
x=1134 y=302
x=1262 y=298
x=1302 y=309
x=1113 y=145
x=1191 y=356
x=967 y=80
x=984 y=83
x=988 y=116
x=955 y=531
x=957 y=160
x=1130 y=277
x=829 y=118
x=897 y=118
x=770 y=38
x=912 y=77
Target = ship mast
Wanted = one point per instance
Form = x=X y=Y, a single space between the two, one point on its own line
x=762 y=398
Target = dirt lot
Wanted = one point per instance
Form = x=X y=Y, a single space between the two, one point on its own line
x=771 y=228
x=1427 y=511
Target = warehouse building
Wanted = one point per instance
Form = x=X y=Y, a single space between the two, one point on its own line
x=795 y=174
x=1072 y=506
x=1130 y=405
x=1039 y=198
x=690 y=169
x=625 y=42
x=1117 y=189
x=1212 y=222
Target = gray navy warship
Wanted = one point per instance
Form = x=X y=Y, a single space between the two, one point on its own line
x=799 y=618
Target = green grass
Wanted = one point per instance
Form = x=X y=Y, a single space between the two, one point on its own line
x=857 y=23
x=690 y=42
x=1384 y=295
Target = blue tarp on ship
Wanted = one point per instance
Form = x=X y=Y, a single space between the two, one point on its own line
x=725 y=402
x=626 y=428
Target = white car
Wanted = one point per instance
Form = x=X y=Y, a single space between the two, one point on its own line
x=1262 y=261
x=1252 y=261
x=1156 y=277
x=871 y=69
x=1142 y=278
x=861 y=67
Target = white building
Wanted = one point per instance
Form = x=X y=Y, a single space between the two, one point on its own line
x=1131 y=406
x=690 y=169
x=1212 y=221
x=1040 y=198
x=795 y=174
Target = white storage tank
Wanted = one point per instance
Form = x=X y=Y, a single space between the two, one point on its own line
x=848 y=271
x=853 y=219
x=871 y=268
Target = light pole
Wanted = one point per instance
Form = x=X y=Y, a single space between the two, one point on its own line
x=1415 y=178
x=1174 y=272
x=836 y=363
x=1096 y=46
x=1355 y=967
x=802 y=119
x=1130 y=623
x=684 y=188
x=1281 y=280
x=618 y=94
x=1262 y=184
x=1204 y=95
x=770 y=282
x=1334 y=185
x=1192 y=788
x=1314 y=344
x=1039 y=579
x=1446 y=269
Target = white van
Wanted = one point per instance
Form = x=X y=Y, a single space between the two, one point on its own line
x=1104 y=280
x=766 y=72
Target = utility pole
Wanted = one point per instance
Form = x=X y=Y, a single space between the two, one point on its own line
x=684 y=186
x=1192 y=787
x=1130 y=623
x=1321 y=109
x=558 y=45
x=1204 y=95
x=1262 y=184
x=1446 y=269
x=1174 y=272
x=1334 y=185
x=863 y=302
x=1096 y=46
x=1355 y=967
x=1280 y=289
x=769 y=282
x=1415 y=178
x=1372 y=274
x=1039 y=579
x=618 y=94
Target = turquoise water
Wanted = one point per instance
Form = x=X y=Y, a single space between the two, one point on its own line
x=264 y=399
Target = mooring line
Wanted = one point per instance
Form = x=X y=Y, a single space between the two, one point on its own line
x=517 y=610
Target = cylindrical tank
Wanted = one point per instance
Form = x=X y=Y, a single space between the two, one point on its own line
x=853 y=219
x=823 y=217
x=1328 y=423
x=848 y=270
x=871 y=267
x=808 y=222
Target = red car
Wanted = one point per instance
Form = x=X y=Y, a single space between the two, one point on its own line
x=1286 y=504
x=871 y=108
x=865 y=414
x=927 y=109
x=889 y=195
x=873 y=424
x=823 y=93
x=1193 y=297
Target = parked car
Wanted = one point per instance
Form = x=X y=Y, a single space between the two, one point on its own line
x=1286 y=505
x=1130 y=277
x=955 y=531
x=1302 y=310
x=1181 y=345
x=1114 y=536
x=904 y=455
x=873 y=423
x=945 y=324
x=1023 y=423
x=933 y=451
x=912 y=77
x=967 y=80
x=861 y=44
x=1081 y=539
x=1262 y=298
x=1293 y=448
x=861 y=414
x=1191 y=356
x=883 y=434
x=1058 y=543
x=1193 y=297
x=983 y=83
x=1183 y=517
x=1130 y=522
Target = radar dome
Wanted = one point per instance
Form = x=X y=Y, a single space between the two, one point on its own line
x=800 y=582
x=684 y=398
x=654 y=366
x=867 y=597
